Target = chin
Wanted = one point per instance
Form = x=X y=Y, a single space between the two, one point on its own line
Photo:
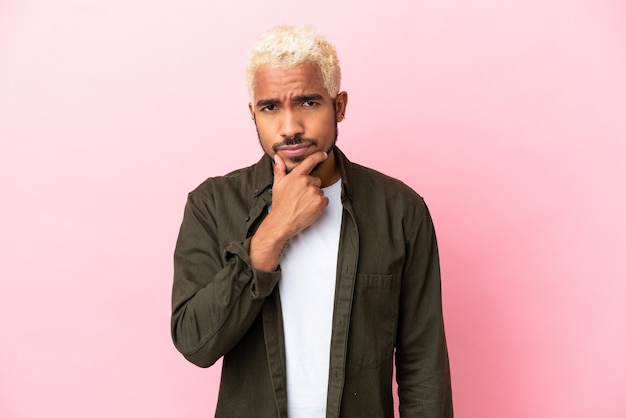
x=290 y=167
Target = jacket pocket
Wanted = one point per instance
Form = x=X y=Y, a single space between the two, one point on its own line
x=373 y=319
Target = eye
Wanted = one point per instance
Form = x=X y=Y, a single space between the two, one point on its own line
x=309 y=103
x=268 y=108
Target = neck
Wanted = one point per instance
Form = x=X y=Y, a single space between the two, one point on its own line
x=327 y=171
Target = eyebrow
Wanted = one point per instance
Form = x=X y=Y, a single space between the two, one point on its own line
x=267 y=102
x=307 y=97
x=302 y=98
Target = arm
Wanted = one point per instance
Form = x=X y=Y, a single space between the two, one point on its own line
x=422 y=367
x=216 y=295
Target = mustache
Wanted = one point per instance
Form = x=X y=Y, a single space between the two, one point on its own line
x=294 y=140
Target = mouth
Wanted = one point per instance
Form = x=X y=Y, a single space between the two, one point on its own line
x=294 y=151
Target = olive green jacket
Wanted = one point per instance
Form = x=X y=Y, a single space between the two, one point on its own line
x=387 y=299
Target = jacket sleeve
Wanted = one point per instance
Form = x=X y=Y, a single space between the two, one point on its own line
x=216 y=295
x=422 y=366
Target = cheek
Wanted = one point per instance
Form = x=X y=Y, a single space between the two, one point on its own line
x=265 y=137
x=263 y=129
x=326 y=126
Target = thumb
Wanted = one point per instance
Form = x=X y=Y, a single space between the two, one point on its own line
x=280 y=169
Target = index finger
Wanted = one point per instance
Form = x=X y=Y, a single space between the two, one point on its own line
x=309 y=163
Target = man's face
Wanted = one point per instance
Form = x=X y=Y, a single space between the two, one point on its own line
x=294 y=114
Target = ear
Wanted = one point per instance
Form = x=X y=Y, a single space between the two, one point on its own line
x=251 y=109
x=341 y=102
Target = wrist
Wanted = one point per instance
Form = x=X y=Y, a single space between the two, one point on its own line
x=267 y=246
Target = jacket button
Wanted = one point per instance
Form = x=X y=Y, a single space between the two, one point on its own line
x=247 y=218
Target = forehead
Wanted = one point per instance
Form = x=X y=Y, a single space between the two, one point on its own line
x=280 y=83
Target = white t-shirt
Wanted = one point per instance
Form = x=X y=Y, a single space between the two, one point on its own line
x=307 y=294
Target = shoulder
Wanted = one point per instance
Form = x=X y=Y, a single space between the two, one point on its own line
x=386 y=206
x=377 y=185
x=385 y=199
x=237 y=180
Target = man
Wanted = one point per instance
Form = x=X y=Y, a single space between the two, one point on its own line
x=308 y=273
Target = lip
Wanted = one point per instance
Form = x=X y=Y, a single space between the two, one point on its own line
x=294 y=150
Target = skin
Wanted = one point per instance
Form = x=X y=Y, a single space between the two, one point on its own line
x=296 y=120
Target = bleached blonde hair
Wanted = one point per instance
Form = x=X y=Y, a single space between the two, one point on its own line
x=289 y=46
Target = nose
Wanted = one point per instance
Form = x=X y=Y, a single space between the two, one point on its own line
x=291 y=124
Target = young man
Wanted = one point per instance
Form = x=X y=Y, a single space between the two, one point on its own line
x=306 y=272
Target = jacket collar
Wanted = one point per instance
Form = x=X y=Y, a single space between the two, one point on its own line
x=263 y=175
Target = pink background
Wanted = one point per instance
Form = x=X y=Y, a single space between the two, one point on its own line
x=508 y=116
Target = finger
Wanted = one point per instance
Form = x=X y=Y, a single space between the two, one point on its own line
x=309 y=163
x=280 y=169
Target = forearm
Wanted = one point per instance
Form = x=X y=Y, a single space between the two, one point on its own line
x=208 y=324
x=423 y=376
x=267 y=245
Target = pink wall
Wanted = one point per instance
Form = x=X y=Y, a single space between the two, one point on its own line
x=508 y=116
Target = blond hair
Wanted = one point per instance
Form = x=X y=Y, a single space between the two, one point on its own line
x=289 y=46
